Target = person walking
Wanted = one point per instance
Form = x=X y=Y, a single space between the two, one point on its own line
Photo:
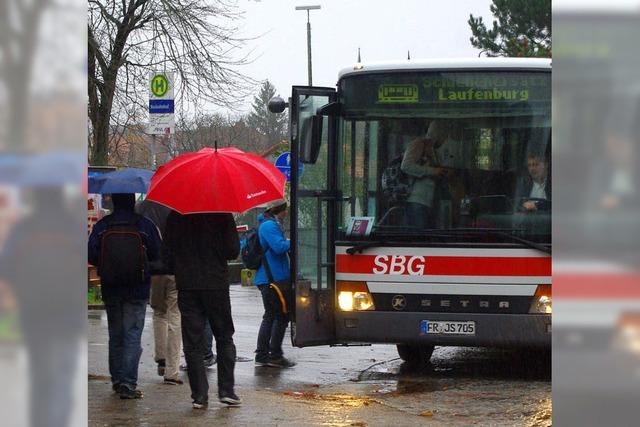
x=121 y=245
x=167 y=332
x=196 y=248
x=273 y=279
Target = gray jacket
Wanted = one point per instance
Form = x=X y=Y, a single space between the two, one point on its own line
x=420 y=161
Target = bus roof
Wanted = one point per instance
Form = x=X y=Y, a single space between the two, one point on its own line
x=447 y=64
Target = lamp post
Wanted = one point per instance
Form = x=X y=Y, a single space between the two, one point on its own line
x=308 y=8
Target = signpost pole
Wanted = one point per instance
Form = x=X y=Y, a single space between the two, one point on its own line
x=154 y=160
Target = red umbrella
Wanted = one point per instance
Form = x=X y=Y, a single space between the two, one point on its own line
x=210 y=180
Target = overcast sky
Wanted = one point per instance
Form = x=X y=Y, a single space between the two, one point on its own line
x=383 y=29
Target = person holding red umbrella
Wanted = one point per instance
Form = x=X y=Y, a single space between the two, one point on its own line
x=203 y=189
x=197 y=248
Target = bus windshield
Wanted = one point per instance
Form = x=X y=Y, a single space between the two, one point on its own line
x=453 y=156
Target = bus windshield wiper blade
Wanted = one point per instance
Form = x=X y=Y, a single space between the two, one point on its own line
x=361 y=247
x=504 y=233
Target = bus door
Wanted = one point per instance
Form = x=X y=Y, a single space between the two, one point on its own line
x=312 y=207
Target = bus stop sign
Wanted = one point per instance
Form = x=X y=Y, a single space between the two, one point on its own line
x=283 y=163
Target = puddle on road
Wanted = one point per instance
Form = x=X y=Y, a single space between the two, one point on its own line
x=335 y=410
x=341 y=399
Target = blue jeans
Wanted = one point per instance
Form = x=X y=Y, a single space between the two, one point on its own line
x=420 y=216
x=125 y=318
x=274 y=324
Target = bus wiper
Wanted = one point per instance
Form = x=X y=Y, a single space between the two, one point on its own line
x=506 y=234
x=361 y=247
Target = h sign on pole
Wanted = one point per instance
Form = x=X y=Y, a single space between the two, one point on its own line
x=161 y=109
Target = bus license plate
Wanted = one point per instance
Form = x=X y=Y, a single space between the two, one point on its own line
x=440 y=327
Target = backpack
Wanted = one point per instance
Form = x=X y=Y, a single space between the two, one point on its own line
x=396 y=184
x=251 y=252
x=123 y=256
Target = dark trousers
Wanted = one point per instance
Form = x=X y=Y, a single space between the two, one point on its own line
x=208 y=342
x=197 y=308
x=274 y=324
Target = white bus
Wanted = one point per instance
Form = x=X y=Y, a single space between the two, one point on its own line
x=473 y=268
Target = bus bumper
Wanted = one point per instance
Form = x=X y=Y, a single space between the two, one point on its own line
x=491 y=330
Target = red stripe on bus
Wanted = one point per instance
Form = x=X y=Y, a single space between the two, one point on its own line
x=449 y=265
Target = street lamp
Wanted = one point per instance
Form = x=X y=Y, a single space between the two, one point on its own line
x=308 y=8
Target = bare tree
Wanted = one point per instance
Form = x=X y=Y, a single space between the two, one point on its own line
x=129 y=38
x=19 y=24
x=203 y=130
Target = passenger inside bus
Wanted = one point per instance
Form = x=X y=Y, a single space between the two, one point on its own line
x=422 y=163
x=533 y=192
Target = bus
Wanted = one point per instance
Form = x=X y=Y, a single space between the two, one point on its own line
x=478 y=272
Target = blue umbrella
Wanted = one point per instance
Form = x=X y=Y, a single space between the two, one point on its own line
x=130 y=180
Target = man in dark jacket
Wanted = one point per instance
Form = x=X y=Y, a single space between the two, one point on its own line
x=125 y=305
x=533 y=192
x=197 y=248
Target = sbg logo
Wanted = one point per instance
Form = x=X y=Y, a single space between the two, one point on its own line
x=399 y=264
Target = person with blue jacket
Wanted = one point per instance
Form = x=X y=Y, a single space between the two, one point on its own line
x=273 y=279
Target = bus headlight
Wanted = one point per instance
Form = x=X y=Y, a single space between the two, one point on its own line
x=542 y=300
x=345 y=301
x=354 y=296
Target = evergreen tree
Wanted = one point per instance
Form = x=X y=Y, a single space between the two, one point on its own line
x=522 y=29
x=273 y=126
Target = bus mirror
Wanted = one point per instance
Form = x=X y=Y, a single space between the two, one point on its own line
x=276 y=105
x=311 y=139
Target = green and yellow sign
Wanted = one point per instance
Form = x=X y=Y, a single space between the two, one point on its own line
x=394 y=93
x=159 y=85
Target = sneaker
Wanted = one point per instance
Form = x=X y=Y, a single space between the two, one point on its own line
x=161 y=367
x=116 y=388
x=281 y=362
x=262 y=361
x=210 y=362
x=127 y=393
x=172 y=381
x=197 y=404
x=231 y=399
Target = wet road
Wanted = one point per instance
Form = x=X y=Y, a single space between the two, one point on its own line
x=354 y=386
